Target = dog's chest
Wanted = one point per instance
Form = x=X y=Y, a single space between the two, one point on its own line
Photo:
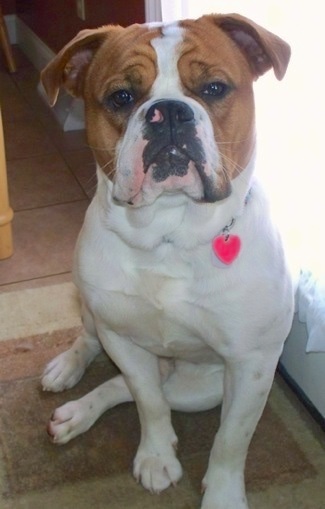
x=155 y=297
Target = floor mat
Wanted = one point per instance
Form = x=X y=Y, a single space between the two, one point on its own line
x=33 y=464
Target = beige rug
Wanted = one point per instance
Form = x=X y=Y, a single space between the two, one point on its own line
x=285 y=465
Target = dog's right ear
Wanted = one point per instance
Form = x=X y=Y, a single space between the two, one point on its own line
x=68 y=68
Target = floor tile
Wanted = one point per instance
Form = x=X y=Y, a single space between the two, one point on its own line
x=44 y=241
x=26 y=139
x=26 y=79
x=63 y=140
x=41 y=181
x=14 y=108
x=21 y=59
x=7 y=85
x=36 y=283
x=82 y=164
x=69 y=140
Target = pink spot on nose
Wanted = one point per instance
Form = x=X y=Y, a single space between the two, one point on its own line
x=157 y=117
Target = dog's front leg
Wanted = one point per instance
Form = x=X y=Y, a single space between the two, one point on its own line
x=155 y=464
x=247 y=384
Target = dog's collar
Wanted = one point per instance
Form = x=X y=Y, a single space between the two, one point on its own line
x=226 y=246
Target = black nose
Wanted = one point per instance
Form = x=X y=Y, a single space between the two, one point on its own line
x=169 y=112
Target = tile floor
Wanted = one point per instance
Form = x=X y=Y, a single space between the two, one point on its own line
x=51 y=176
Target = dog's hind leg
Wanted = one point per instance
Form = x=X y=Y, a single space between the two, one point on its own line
x=65 y=370
x=194 y=387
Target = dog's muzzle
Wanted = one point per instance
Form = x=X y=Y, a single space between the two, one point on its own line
x=169 y=147
x=173 y=143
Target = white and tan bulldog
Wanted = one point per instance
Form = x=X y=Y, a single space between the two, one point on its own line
x=181 y=271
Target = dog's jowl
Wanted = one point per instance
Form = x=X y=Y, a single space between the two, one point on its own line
x=180 y=270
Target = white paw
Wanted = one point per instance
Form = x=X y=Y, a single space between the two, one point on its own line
x=224 y=491
x=156 y=472
x=64 y=371
x=70 y=420
x=210 y=501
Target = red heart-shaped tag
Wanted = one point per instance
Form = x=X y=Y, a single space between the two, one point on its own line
x=226 y=248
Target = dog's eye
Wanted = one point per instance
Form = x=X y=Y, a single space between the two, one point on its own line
x=120 y=98
x=215 y=90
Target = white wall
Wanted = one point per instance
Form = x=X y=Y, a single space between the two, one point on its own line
x=306 y=369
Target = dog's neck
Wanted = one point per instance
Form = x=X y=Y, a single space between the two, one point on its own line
x=173 y=218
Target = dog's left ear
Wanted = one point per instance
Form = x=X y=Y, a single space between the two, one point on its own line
x=263 y=49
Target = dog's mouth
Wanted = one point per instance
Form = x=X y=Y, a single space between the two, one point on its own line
x=170 y=169
x=173 y=161
x=169 y=160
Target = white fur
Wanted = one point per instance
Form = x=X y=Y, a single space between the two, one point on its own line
x=151 y=289
x=167 y=83
x=184 y=333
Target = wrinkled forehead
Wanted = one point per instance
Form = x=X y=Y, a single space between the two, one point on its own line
x=189 y=52
x=193 y=47
x=139 y=56
x=162 y=58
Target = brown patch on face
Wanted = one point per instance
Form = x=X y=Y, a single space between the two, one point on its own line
x=110 y=65
x=125 y=62
x=209 y=55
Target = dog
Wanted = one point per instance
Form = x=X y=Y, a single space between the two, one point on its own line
x=181 y=272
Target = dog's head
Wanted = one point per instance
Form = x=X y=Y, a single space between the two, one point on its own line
x=169 y=108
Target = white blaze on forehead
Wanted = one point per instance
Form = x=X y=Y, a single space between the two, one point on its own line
x=167 y=48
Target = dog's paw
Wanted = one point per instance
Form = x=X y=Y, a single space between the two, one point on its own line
x=69 y=421
x=210 y=501
x=64 y=371
x=156 y=473
x=224 y=491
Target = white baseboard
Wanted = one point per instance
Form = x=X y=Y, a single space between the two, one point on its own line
x=33 y=47
x=10 y=20
x=68 y=111
x=307 y=370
